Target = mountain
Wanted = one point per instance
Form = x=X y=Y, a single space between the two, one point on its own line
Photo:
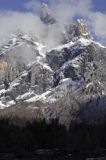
x=67 y=81
x=46 y=15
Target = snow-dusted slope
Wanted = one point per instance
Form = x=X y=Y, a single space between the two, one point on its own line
x=58 y=81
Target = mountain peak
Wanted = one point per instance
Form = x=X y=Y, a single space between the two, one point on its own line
x=45 y=11
x=61 y=82
x=46 y=15
x=82 y=29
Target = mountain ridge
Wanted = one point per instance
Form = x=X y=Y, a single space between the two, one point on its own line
x=66 y=82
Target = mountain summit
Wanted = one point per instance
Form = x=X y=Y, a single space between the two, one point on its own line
x=82 y=29
x=67 y=81
x=46 y=15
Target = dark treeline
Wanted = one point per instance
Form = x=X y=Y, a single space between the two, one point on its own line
x=37 y=135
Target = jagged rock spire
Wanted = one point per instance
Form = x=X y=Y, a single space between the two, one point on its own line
x=45 y=11
x=82 y=29
x=46 y=15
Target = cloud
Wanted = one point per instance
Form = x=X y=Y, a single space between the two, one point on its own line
x=33 y=5
x=11 y=22
x=64 y=11
x=98 y=25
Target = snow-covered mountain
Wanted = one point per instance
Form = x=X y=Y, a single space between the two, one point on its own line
x=67 y=81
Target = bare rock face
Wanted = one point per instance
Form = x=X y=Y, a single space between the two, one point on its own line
x=44 y=10
x=81 y=29
x=67 y=82
x=45 y=14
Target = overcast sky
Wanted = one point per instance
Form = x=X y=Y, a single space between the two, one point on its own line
x=93 y=11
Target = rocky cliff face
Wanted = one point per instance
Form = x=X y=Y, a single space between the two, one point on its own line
x=46 y=15
x=67 y=82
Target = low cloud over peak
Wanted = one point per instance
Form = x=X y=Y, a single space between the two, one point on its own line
x=63 y=11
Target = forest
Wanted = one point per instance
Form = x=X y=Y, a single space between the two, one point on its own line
x=42 y=135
